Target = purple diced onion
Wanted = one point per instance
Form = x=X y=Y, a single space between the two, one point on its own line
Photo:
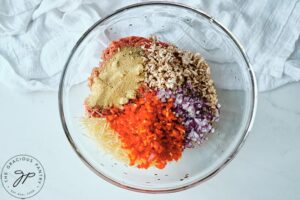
x=196 y=114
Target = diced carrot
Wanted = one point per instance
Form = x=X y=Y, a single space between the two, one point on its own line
x=152 y=138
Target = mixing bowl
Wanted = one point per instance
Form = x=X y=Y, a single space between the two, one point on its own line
x=189 y=29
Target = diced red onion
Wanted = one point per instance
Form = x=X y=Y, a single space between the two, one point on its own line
x=196 y=114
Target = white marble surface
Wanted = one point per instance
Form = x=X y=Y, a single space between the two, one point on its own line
x=267 y=167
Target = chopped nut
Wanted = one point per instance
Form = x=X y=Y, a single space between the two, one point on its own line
x=171 y=67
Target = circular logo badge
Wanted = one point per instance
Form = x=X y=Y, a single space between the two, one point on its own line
x=23 y=176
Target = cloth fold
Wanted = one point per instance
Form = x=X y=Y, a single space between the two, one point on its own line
x=36 y=36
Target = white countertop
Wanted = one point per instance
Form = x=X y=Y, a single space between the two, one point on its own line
x=267 y=167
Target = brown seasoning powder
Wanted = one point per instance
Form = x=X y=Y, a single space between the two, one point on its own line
x=118 y=80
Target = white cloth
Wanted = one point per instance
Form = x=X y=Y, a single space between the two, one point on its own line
x=36 y=36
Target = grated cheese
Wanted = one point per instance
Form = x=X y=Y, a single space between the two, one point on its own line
x=106 y=138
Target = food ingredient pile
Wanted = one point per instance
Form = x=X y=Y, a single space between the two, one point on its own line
x=149 y=101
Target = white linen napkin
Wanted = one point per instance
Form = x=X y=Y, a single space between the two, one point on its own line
x=36 y=36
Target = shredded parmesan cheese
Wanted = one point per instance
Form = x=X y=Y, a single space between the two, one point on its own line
x=106 y=138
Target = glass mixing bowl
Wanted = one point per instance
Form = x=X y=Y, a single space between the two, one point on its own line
x=189 y=29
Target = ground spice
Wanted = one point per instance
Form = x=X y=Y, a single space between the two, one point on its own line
x=117 y=45
x=152 y=138
x=118 y=80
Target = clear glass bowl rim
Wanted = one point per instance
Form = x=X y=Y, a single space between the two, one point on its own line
x=250 y=118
